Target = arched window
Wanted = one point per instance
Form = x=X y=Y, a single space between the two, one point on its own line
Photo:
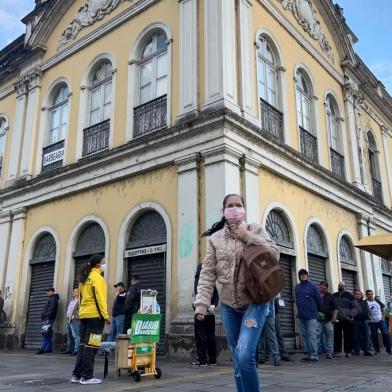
x=3 y=136
x=348 y=264
x=374 y=168
x=271 y=117
x=278 y=229
x=151 y=113
x=335 y=137
x=304 y=97
x=58 y=115
x=317 y=254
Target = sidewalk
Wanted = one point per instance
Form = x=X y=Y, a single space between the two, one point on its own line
x=23 y=371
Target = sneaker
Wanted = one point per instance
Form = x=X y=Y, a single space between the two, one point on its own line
x=348 y=355
x=367 y=354
x=212 y=363
x=90 y=381
x=306 y=359
x=198 y=364
x=75 y=379
x=74 y=353
x=277 y=362
x=329 y=356
x=39 y=352
x=286 y=358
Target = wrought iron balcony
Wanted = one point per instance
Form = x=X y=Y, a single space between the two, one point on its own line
x=96 y=137
x=377 y=191
x=271 y=120
x=308 y=145
x=52 y=156
x=150 y=116
x=337 y=163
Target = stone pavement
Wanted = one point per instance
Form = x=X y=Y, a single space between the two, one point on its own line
x=23 y=371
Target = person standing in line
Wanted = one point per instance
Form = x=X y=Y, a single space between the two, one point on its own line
x=93 y=314
x=205 y=330
x=73 y=324
x=361 y=330
x=347 y=310
x=388 y=315
x=308 y=303
x=279 y=305
x=118 y=316
x=268 y=339
x=377 y=316
x=48 y=317
x=328 y=315
x=242 y=319
x=132 y=301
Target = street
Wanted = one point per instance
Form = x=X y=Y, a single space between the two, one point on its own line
x=23 y=371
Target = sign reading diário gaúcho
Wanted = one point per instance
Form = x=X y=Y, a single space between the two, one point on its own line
x=145 y=328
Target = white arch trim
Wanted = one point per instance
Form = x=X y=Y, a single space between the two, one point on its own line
x=23 y=301
x=122 y=238
x=46 y=102
x=5 y=117
x=102 y=56
x=336 y=100
x=309 y=74
x=68 y=270
x=267 y=33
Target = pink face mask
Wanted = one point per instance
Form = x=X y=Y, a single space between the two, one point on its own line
x=234 y=214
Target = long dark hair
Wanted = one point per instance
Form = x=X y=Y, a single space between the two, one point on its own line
x=219 y=225
x=85 y=269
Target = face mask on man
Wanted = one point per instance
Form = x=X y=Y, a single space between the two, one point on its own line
x=234 y=214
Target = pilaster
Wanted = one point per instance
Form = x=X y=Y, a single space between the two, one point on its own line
x=387 y=160
x=5 y=233
x=250 y=188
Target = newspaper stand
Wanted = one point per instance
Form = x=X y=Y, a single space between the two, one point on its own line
x=144 y=336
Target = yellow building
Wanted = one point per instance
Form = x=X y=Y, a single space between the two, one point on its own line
x=123 y=123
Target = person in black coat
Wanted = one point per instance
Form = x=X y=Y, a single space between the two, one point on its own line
x=48 y=317
x=132 y=301
x=205 y=330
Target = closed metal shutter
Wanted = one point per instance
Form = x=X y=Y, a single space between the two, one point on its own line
x=387 y=287
x=317 y=269
x=42 y=276
x=350 y=278
x=287 y=320
x=152 y=273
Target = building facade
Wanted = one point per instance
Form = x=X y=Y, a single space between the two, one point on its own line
x=124 y=123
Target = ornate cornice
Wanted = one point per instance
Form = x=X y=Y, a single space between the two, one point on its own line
x=305 y=14
x=28 y=82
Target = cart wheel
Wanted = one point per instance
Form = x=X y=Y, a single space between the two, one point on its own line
x=159 y=373
x=137 y=376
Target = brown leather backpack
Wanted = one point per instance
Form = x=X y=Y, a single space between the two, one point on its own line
x=264 y=278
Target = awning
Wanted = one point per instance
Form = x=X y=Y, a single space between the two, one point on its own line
x=380 y=245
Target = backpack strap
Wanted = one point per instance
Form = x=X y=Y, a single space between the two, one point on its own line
x=96 y=303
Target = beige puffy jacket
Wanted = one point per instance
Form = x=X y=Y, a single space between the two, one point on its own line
x=221 y=261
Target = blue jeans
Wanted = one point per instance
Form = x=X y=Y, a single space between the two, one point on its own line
x=46 y=343
x=268 y=336
x=360 y=336
x=374 y=327
x=243 y=329
x=325 y=337
x=116 y=327
x=308 y=332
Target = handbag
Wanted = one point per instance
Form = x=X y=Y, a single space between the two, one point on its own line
x=46 y=329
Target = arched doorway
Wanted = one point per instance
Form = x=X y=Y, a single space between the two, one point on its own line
x=317 y=255
x=348 y=264
x=91 y=241
x=278 y=229
x=145 y=256
x=42 y=266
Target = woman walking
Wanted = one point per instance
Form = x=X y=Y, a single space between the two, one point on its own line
x=92 y=313
x=243 y=320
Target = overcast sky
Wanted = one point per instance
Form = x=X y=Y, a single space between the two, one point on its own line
x=370 y=20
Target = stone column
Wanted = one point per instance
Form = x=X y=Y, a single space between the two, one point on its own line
x=5 y=233
x=250 y=188
x=188 y=58
x=188 y=233
x=15 y=261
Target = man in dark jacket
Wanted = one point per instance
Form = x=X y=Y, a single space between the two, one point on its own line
x=205 y=330
x=48 y=316
x=361 y=329
x=327 y=318
x=132 y=301
x=118 y=315
x=347 y=310
x=308 y=303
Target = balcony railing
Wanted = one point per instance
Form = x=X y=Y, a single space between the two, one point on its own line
x=337 y=163
x=96 y=137
x=150 y=116
x=271 y=120
x=377 y=191
x=308 y=145
x=52 y=156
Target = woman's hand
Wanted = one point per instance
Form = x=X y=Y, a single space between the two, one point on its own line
x=199 y=316
x=241 y=233
x=107 y=321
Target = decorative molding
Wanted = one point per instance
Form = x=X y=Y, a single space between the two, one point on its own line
x=305 y=14
x=7 y=91
x=28 y=82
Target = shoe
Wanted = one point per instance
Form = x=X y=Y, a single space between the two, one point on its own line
x=348 y=355
x=198 y=364
x=337 y=355
x=66 y=352
x=261 y=361
x=90 y=381
x=389 y=352
x=75 y=379
x=377 y=353
x=306 y=359
x=40 y=352
x=367 y=354
x=277 y=362
x=329 y=356
x=312 y=359
x=286 y=358
x=74 y=353
x=355 y=354
x=212 y=363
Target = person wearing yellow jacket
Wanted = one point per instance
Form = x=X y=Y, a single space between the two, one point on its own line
x=93 y=313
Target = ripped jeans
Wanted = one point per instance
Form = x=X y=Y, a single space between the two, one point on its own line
x=243 y=329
